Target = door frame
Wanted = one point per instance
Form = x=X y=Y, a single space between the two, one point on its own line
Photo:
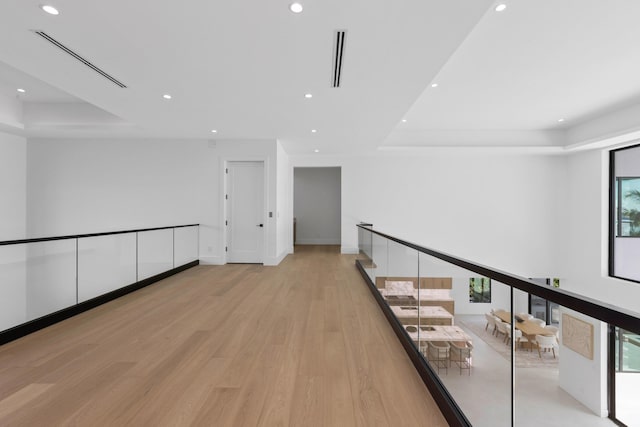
x=224 y=163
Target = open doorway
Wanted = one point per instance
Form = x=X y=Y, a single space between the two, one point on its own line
x=317 y=206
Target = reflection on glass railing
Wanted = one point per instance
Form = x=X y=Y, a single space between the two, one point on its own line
x=627 y=377
x=480 y=337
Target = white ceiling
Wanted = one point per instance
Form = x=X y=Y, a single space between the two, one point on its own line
x=12 y=79
x=504 y=79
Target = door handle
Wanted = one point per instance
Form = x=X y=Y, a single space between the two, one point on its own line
x=260 y=225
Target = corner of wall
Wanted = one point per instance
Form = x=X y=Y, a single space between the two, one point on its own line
x=273 y=261
x=351 y=250
x=211 y=260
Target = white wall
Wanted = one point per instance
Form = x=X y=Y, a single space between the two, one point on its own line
x=13 y=187
x=86 y=186
x=284 y=215
x=500 y=297
x=583 y=378
x=585 y=266
x=10 y=113
x=317 y=205
x=585 y=269
x=487 y=206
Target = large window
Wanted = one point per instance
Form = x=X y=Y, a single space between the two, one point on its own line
x=624 y=253
x=627 y=195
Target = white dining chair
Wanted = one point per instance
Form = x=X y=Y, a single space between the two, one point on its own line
x=553 y=330
x=519 y=338
x=501 y=328
x=546 y=343
x=491 y=322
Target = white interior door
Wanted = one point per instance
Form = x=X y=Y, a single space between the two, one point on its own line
x=245 y=212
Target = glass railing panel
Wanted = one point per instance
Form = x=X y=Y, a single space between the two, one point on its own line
x=186 y=245
x=521 y=372
x=365 y=245
x=155 y=252
x=365 y=251
x=462 y=341
x=367 y=254
x=400 y=287
x=13 y=285
x=379 y=260
x=627 y=376
x=364 y=242
x=561 y=371
x=105 y=263
x=51 y=277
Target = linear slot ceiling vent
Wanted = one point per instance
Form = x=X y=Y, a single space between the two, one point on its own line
x=59 y=45
x=338 y=57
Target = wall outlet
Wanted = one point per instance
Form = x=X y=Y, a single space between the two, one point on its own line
x=209 y=249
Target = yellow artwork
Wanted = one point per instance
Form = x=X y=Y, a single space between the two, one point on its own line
x=577 y=335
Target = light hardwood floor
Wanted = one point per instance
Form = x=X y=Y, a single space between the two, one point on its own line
x=301 y=344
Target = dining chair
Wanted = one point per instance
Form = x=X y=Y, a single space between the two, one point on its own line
x=491 y=321
x=553 y=330
x=546 y=343
x=519 y=338
x=460 y=354
x=438 y=354
x=501 y=328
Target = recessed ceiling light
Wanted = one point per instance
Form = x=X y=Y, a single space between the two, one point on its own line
x=214 y=131
x=501 y=7
x=316 y=151
x=561 y=120
x=308 y=95
x=295 y=7
x=21 y=90
x=404 y=120
x=313 y=131
x=434 y=84
x=49 y=9
x=166 y=96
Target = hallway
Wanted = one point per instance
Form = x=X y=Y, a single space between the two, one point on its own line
x=303 y=343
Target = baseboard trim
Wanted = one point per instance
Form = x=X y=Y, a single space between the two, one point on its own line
x=329 y=241
x=349 y=250
x=211 y=260
x=449 y=408
x=272 y=261
x=53 y=318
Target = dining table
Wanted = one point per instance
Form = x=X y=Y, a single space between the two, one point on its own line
x=529 y=328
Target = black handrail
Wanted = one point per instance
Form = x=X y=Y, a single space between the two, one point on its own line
x=80 y=236
x=623 y=318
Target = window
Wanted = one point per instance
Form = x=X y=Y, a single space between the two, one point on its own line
x=479 y=289
x=627 y=209
x=624 y=240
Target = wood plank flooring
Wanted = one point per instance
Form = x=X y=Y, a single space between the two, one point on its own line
x=301 y=344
